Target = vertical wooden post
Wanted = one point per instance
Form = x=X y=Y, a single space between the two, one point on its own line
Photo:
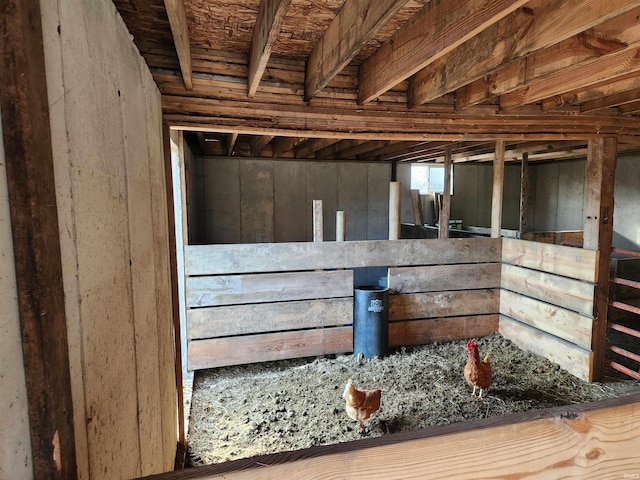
x=498 y=187
x=318 y=231
x=598 y=235
x=341 y=226
x=36 y=239
x=445 y=207
x=524 y=187
x=394 y=210
x=415 y=204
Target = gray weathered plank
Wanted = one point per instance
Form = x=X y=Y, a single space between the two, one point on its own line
x=443 y=304
x=271 y=317
x=561 y=291
x=572 y=358
x=278 y=257
x=219 y=352
x=274 y=287
x=444 y=277
x=419 y=332
x=557 y=321
x=570 y=262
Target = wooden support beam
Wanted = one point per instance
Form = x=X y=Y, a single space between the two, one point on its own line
x=258 y=142
x=621 y=98
x=271 y=16
x=598 y=235
x=318 y=222
x=437 y=29
x=26 y=133
x=524 y=187
x=231 y=143
x=308 y=148
x=180 y=31
x=498 y=188
x=445 y=207
x=538 y=25
x=353 y=27
x=415 y=204
x=394 y=210
x=281 y=145
x=341 y=226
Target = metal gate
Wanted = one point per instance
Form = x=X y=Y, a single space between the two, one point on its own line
x=624 y=313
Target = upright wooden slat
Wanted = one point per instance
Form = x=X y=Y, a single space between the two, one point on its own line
x=498 y=188
x=318 y=221
x=445 y=208
x=278 y=257
x=394 y=210
x=26 y=133
x=341 y=226
x=598 y=234
x=415 y=205
x=524 y=190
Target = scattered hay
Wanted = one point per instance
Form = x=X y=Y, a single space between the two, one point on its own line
x=243 y=411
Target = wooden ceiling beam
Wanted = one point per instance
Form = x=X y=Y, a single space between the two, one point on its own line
x=438 y=28
x=631 y=107
x=357 y=22
x=231 y=143
x=332 y=151
x=271 y=15
x=258 y=143
x=180 y=31
x=308 y=148
x=363 y=150
x=608 y=37
x=622 y=98
x=578 y=76
x=539 y=25
x=282 y=145
x=606 y=88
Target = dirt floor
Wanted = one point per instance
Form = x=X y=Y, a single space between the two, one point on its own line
x=240 y=412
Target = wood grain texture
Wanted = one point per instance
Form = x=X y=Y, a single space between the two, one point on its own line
x=420 y=332
x=556 y=290
x=444 y=277
x=569 y=262
x=357 y=22
x=180 y=31
x=272 y=287
x=219 y=352
x=277 y=257
x=443 y=304
x=592 y=441
x=418 y=43
x=268 y=317
x=557 y=321
x=498 y=189
x=570 y=357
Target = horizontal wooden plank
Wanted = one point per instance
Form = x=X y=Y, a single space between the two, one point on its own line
x=220 y=352
x=591 y=440
x=570 y=357
x=557 y=321
x=570 y=262
x=420 y=332
x=444 y=277
x=267 y=287
x=443 y=304
x=561 y=291
x=278 y=257
x=225 y=321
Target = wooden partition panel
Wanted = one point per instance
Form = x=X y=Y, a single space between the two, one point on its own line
x=272 y=301
x=546 y=301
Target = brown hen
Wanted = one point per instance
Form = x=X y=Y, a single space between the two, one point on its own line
x=360 y=404
x=478 y=373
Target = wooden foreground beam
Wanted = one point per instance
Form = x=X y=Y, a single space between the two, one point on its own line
x=592 y=440
x=180 y=31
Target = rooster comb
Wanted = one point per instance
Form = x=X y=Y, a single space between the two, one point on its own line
x=471 y=344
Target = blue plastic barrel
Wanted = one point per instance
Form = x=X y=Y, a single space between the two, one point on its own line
x=371 y=321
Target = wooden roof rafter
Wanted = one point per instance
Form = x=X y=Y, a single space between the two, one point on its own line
x=180 y=31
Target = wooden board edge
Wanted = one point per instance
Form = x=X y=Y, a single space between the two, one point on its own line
x=421 y=332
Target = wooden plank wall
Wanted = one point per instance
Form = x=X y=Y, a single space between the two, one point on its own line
x=546 y=302
x=259 y=302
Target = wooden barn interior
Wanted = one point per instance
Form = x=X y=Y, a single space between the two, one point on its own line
x=188 y=184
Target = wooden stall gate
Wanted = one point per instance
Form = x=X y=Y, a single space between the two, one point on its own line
x=547 y=300
x=271 y=301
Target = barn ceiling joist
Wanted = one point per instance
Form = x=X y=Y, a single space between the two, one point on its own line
x=393 y=80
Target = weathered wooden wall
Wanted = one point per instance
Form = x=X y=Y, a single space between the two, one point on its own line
x=258 y=302
x=15 y=448
x=109 y=166
x=251 y=201
x=546 y=302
